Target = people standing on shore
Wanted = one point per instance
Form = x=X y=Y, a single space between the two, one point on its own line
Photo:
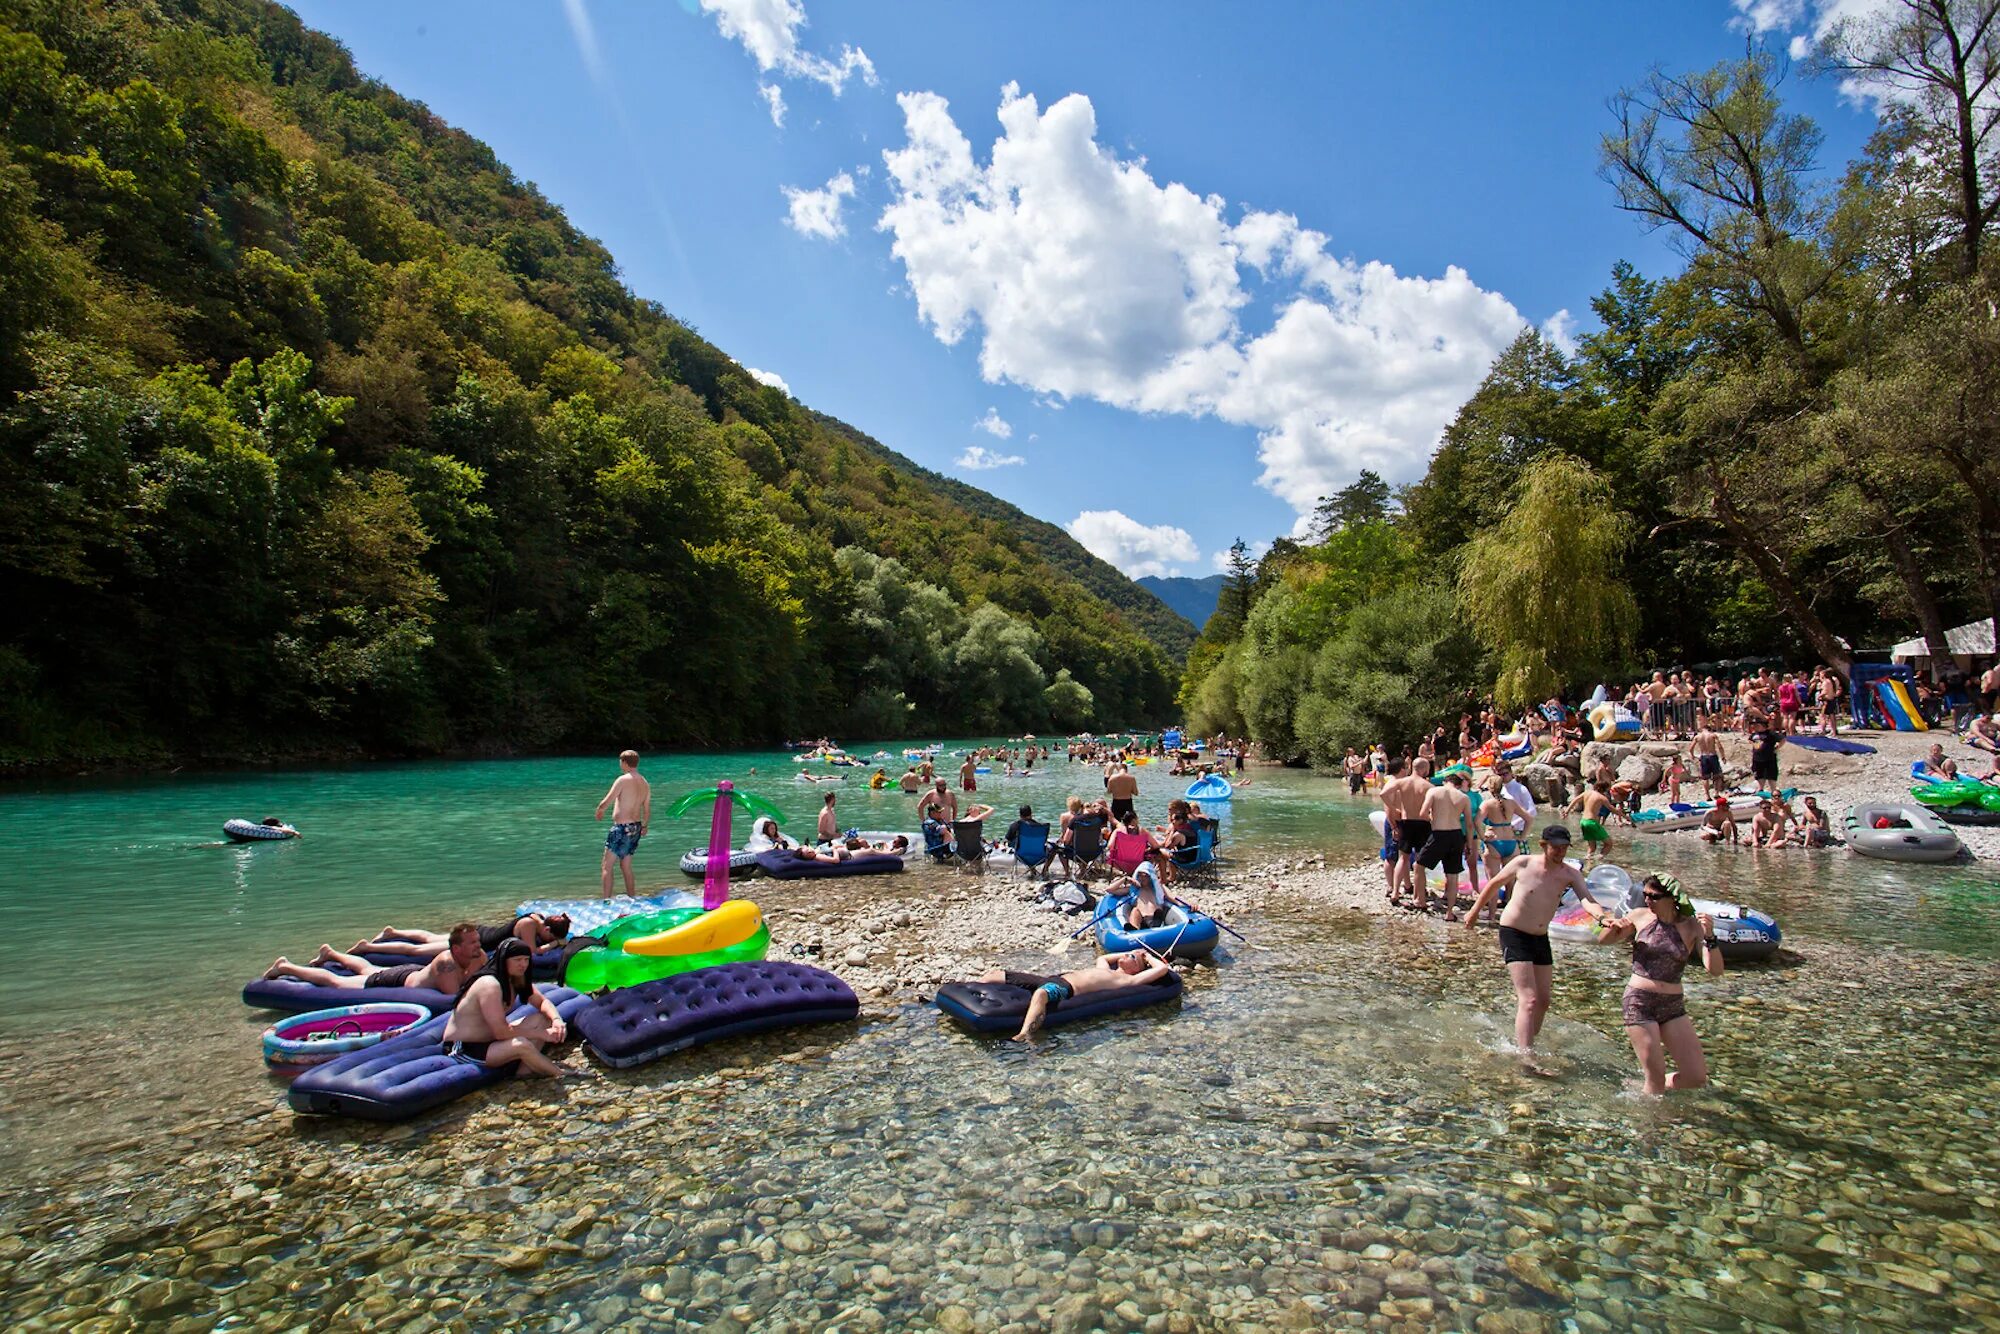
x=1538 y=884
x=1403 y=802
x=1665 y=934
x=630 y=801
x=1708 y=758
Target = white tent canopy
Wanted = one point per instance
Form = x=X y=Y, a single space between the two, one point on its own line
x=1965 y=641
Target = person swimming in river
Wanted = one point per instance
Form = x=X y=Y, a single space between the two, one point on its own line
x=1112 y=972
x=482 y=1031
x=1665 y=935
x=446 y=972
x=532 y=929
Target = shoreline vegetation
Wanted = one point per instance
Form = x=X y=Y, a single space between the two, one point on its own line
x=317 y=422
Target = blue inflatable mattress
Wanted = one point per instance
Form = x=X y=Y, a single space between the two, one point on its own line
x=291 y=996
x=997 y=1007
x=634 y=1025
x=547 y=964
x=397 y=1079
x=781 y=865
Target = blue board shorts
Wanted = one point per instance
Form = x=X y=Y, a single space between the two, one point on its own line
x=1057 y=991
x=623 y=839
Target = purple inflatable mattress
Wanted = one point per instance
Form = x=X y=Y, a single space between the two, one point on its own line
x=397 y=1079
x=638 y=1024
x=996 y=1007
x=291 y=996
x=781 y=865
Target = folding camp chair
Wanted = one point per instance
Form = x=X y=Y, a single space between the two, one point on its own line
x=1031 y=848
x=1086 y=845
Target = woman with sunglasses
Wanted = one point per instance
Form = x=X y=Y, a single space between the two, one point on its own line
x=1665 y=934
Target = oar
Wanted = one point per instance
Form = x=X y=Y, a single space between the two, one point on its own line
x=1195 y=907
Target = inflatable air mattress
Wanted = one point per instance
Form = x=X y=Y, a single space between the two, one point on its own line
x=587 y=917
x=653 y=1019
x=696 y=861
x=246 y=831
x=1831 y=745
x=1185 y=935
x=996 y=1007
x=608 y=966
x=1212 y=787
x=407 y=1075
x=789 y=866
x=291 y=996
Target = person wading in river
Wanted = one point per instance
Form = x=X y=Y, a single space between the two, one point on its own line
x=1539 y=883
x=631 y=802
x=1403 y=799
x=1665 y=935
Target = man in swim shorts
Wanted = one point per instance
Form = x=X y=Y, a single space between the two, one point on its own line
x=1403 y=802
x=1123 y=790
x=967 y=778
x=1595 y=805
x=1446 y=810
x=1538 y=884
x=1112 y=972
x=447 y=972
x=631 y=803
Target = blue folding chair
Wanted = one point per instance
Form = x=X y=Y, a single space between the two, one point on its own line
x=1202 y=855
x=1031 y=847
x=938 y=840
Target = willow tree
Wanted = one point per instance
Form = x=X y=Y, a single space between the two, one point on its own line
x=1544 y=588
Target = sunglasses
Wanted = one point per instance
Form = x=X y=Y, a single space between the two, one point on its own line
x=1652 y=897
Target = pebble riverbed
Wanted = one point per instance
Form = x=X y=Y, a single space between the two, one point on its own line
x=1328 y=1132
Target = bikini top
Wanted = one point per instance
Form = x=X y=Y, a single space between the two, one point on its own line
x=1658 y=952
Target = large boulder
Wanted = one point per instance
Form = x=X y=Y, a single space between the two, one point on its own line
x=1549 y=784
x=1613 y=753
x=1642 y=771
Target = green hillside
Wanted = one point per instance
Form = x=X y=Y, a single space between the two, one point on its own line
x=321 y=430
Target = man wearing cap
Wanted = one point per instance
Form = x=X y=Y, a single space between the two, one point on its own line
x=1539 y=883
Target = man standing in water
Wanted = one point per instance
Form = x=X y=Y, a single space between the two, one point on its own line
x=1403 y=799
x=1446 y=809
x=1123 y=789
x=967 y=775
x=630 y=801
x=1539 y=884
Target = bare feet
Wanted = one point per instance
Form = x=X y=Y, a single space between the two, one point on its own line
x=361 y=945
x=325 y=954
x=273 y=970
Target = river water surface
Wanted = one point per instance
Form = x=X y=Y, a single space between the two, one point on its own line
x=1327 y=1131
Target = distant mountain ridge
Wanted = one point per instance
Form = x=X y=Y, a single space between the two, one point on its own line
x=1193 y=599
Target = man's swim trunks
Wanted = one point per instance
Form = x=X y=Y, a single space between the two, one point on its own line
x=1522 y=947
x=623 y=839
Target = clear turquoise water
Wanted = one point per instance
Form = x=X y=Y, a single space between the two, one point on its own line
x=1330 y=1119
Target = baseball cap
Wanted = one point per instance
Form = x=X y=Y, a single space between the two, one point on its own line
x=1557 y=835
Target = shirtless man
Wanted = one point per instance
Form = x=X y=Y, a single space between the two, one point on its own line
x=1595 y=807
x=1719 y=825
x=1123 y=789
x=446 y=973
x=1708 y=758
x=1403 y=799
x=531 y=929
x=967 y=779
x=829 y=827
x=1768 y=828
x=1539 y=884
x=909 y=782
x=1984 y=734
x=1357 y=769
x=1113 y=972
x=1446 y=809
x=937 y=804
x=631 y=803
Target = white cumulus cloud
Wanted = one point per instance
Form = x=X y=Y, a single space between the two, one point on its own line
x=1082 y=276
x=817 y=212
x=771 y=378
x=1135 y=548
x=978 y=458
x=994 y=424
x=769 y=31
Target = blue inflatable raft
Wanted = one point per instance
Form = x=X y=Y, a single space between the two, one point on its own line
x=1185 y=935
x=1210 y=787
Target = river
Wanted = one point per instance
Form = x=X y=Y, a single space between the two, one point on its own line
x=1328 y=1130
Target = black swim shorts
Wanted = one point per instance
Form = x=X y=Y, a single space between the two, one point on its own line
x=395 y=976
x=1521 y=947
x=1711 y=766
x=1121 y=807
x=1411 y=835
x=1446 y=846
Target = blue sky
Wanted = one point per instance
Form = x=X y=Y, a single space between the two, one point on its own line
x=1168 y=272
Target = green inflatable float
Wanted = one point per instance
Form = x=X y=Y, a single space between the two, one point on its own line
x=609 y=967
x=1963 y=792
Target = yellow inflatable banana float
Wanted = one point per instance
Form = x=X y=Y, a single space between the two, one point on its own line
x=731 y=924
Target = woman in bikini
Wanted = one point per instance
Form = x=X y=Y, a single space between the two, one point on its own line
x=1665 y=935
x=1498 y=839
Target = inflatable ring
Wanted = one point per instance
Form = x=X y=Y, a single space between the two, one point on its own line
x=1610 y=723
x=292 y=1044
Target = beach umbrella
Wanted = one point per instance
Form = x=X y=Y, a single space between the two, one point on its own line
x=715 y=886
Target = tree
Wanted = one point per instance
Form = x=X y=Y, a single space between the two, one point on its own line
x=995 y=677
x=1398 y=665
x=1364 y=500
x=1239 y=586
x=1542 y=589
x=1936 y=61
x=1069 y=703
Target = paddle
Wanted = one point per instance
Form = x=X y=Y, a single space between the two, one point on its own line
x=1192 y=906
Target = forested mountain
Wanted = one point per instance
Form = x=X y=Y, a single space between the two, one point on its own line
x=1194 y=599
x=1790 y=448
x=318 y=428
